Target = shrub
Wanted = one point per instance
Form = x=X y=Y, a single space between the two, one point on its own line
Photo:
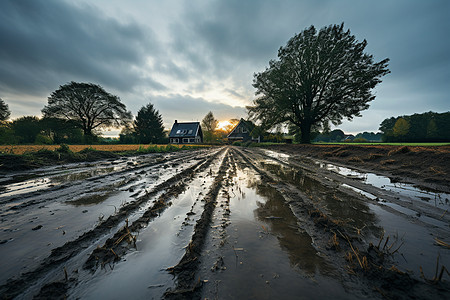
x=63 y=148
x=87 y=150
x=359 y=140
x=237 y=143
x=43 y=140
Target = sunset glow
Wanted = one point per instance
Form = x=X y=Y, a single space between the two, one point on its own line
x=223 y=124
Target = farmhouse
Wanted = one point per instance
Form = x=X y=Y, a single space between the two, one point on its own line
x=242 y=132
x=186 y=133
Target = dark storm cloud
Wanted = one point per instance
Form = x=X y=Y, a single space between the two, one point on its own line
x=219 y=35
x=233 y=39
x=47 y=43
x=213 y=47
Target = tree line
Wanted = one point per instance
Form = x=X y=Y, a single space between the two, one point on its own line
x=76 y=113
x=425 y=127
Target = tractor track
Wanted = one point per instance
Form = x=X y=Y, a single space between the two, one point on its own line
x=232 y=222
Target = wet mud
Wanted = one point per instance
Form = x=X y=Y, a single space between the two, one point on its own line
x=221 y=223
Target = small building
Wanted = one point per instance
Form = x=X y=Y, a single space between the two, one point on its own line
x=186 y=133
x=242 y=132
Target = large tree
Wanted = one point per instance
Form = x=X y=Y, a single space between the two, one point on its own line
x=4 y=110
x=319 y=77
x=89 y=105
x=149 y=125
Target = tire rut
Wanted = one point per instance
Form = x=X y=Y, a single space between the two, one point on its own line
x=14 y=287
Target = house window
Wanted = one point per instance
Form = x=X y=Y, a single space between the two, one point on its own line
x=244 y=130
x=191 y=140
x=185 y=140
x=190 y=131
x=178 y=131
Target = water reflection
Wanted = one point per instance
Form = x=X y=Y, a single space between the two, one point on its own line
x=347 y=210
x=432 y=197
x=283 y=224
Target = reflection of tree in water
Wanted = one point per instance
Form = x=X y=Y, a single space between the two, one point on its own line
x=283 y=224
x=352 y=211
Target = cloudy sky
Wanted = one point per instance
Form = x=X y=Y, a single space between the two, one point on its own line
x=194 y=56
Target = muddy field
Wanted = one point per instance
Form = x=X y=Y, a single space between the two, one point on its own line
x=227 y=223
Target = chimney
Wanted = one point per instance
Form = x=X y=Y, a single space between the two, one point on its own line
x=176 y=121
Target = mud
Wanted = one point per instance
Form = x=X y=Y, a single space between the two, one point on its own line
x=426 y=166
x=223 y=223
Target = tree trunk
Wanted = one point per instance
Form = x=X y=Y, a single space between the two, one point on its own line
x=305 y=137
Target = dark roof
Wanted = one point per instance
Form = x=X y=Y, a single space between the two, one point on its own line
x=247 y=124
x=185 y=129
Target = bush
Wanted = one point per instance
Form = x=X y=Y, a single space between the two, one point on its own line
x=87 y=150
x=43 y=140
x=63 y=148
x=359 y=140
x=237 y=143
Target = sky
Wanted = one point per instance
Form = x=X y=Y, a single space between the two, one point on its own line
x=194 y=56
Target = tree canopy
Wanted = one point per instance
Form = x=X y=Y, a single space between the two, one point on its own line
x=319 y=77
x=26 y=129
x=89 y=105
x=149 y=125
x=209 y=125
x=4 y=110
x=425 y=127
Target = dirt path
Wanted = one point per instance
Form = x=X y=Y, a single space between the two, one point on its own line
x=220 y=223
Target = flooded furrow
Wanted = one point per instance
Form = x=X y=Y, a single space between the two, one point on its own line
x=114 y=210
x=159 y=245
x=256 y=247
x=411 y=241
x=221 y=223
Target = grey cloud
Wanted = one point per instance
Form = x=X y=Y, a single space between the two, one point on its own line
x=48 y=43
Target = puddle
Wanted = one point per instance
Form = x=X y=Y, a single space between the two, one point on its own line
x=366 y=194
x=277 y=155
x=416 y=215
x=434 y=198
x=338 y=205
x=419 y=248
x=261 y=250
x=159 y=246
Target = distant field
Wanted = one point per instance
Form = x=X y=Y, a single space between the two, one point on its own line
x=21 y=149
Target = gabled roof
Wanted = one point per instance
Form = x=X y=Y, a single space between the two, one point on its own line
x=185 y=129
x=247 y=124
